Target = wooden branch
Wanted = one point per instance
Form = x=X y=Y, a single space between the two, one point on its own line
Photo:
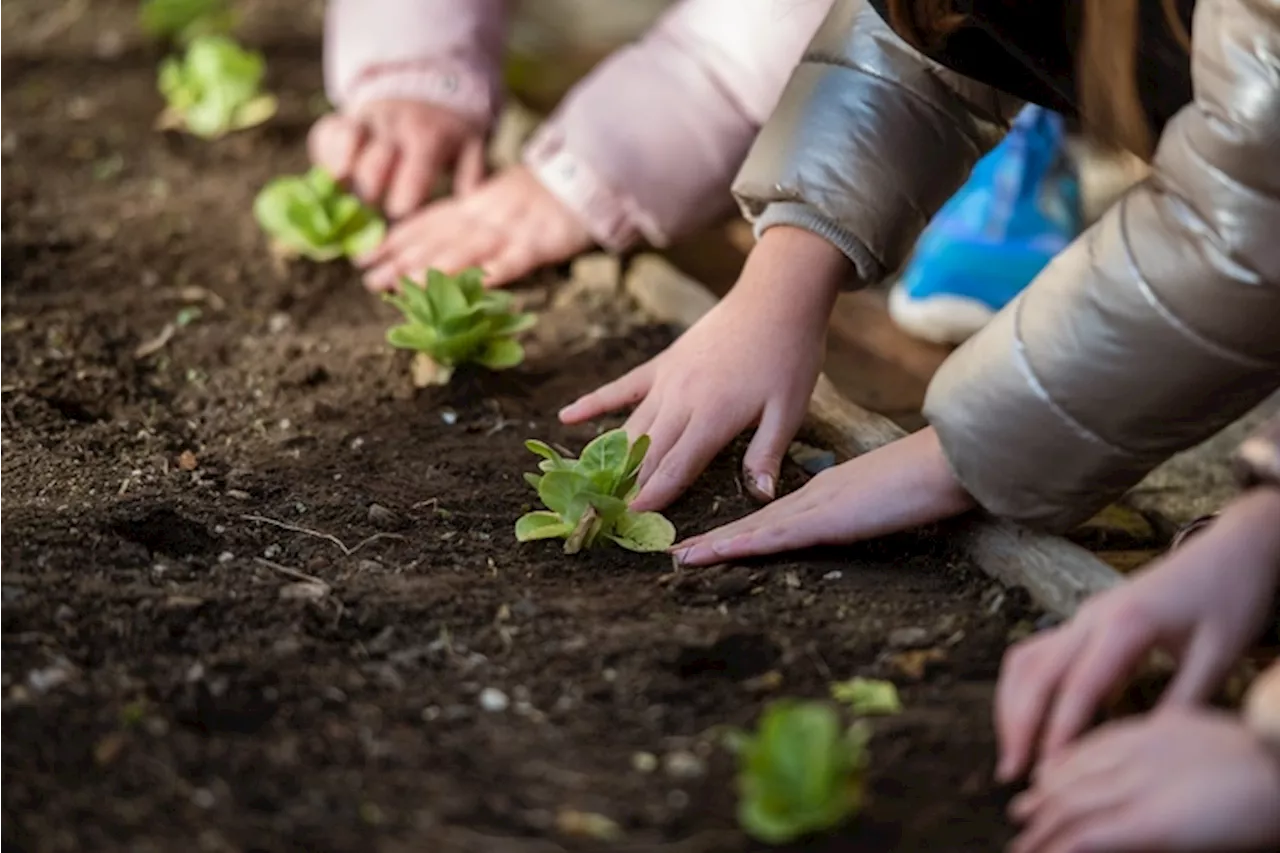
x=1058 y=574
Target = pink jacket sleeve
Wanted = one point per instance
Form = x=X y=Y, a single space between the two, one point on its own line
x=447 y=52
x=648 y=144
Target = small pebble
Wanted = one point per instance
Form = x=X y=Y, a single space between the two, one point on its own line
x=644 y=762
x=380 y=516
x=908 y=638
x=368 y=566
x=449 y=416
x=278 y=322
x=271 y=551
x=494 y=700
x=683 y=765
x=833 y=575
x=226 y=557
x=64 y=613
x=203 y=798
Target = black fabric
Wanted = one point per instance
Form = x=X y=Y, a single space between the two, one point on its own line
x=1028 y=48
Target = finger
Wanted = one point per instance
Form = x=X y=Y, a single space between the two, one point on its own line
x=620 y=393
x=411 y=262
x=472 y=244
x=1202 y=668
x=420 y=162
x=1089 y=833
x=333 y=144
x=762 y=462
x=669 y=425
x=1061 y=815
x=791 y=505
x=1029 y=678
x=698 y=443
x=640 y=422
x=373 y=170
x=468 y=175
x=1107 y=660
x=760 y=535
x=515 y=260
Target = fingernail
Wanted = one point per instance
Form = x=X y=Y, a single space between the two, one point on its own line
x=682 y=556
x=765 y=483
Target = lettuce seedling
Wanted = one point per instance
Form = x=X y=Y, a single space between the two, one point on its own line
x=214 y=89
x=452 y=320
x=183 y=21
x=800 y=772
x=311 y=215
x=587 y=497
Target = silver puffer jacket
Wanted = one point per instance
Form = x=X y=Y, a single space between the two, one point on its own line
x=1157 y=327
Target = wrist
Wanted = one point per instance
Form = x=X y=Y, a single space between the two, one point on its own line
x=796 y=272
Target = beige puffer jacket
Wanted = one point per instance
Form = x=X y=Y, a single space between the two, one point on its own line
x=1157 y=327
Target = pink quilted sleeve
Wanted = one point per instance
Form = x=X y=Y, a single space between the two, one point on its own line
x=447 y=52
x=648 y=144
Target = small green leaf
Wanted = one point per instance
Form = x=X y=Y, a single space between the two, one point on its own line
x=214 y=88
x=411 y=337
x=606 y=452
x=799 y=773
x=544 y=450
x=310 y=215
x=469 y=323
x=564 y=492
x=534 y=480
x=635 y=456
x=540 y=525
x=867 y=696
x=644 y=531
x=500 y=354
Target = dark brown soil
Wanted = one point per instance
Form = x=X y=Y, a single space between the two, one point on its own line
x=165 y=687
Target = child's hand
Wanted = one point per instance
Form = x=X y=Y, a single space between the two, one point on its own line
x=509 y=226
x=898 y=486
x=1203 y=603
x=1174 y=780
x=392 y=152
x=754 y=359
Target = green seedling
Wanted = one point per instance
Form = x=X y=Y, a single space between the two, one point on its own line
x=310 y=215
x=587 y=497
x=867 y=696
x=801 y=772
x=213 y=89
x=183 y=21
x=453 y=320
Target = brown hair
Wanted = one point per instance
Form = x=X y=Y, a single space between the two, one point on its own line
x=1108 y=82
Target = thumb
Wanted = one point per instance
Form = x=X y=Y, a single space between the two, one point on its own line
x=762 y=462
x=334 y=142
x=469 y=172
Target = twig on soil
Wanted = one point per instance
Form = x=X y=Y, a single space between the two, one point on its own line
x=293 y=573
x=319 y=534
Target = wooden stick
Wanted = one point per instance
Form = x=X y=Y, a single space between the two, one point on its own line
x=1058 y=574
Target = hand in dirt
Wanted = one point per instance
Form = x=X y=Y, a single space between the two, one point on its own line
x=509 y=226
x=392 y=152
x=896 y=487
x=752 y=360
x=1202 y=603
x=1174 y=780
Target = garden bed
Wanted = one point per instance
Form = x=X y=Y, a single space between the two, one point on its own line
x=262 y=594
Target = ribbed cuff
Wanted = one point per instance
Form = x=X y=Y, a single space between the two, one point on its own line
x=447 y=83
x=800 y=215
x=610 y=216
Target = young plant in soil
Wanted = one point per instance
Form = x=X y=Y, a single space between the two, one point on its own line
x=454 y=320
x=213 y=89
x=801 y=772
x=587 y=497
x=311 y=216
x=182 y=21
